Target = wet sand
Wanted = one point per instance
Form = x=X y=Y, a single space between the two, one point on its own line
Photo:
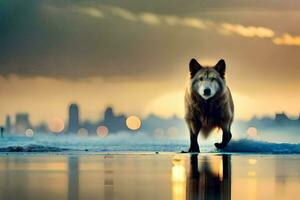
x=135 y=176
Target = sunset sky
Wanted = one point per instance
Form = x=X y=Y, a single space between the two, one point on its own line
x=134 y=55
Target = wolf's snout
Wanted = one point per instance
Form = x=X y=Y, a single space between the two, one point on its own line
x=207 y=91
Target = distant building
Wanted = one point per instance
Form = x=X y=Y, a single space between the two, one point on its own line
x=42 y=128
x=22 y=122
x=7 y=124
x=113 y=122
x=73 y=118
x=281 y=118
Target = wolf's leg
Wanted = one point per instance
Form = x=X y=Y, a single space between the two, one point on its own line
x=194 y=131
x=226 y=137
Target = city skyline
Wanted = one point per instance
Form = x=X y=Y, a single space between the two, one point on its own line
x=111 y=122
x=101 y=115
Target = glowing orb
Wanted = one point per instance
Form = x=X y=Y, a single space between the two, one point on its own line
x=159 y=132
x=56 y=125
x=133 y=123
x=252 y=132
x=29 y=132
x=102 y=131
x=172 y=131
x=82 y=132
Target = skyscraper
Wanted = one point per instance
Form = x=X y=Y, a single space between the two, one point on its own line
x=7 y=124
x=73 y=118
x=22 y=122
x=114 y=122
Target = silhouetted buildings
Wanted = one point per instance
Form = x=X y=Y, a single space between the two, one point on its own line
x=22 y=122
x=7 y=124
x=73 y=118
x=113 y=122
x=152 y=125
x=1 y=131
x=281 y=118
x=41 y=128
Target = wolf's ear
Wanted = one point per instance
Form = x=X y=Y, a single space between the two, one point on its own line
x=221 y=67
x=194 y=67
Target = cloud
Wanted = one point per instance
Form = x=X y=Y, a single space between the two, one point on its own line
x=150 y=18
x=194 y=23
x=89 y=11
x=125 y=14
x=287 y=39
x=247 y=31
x=171 y=20
x=98 y=40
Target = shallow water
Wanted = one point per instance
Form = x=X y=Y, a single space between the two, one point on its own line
x=125 y=142
x=150 y=176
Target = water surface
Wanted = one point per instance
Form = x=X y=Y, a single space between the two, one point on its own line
x=149 y=176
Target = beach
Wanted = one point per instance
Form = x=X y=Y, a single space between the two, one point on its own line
x=148 y=175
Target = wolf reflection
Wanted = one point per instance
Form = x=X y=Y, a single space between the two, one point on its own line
x=204 y=179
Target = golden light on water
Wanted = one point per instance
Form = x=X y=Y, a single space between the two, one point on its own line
x=178 y=179
x=133 y=122
x=82 y=132
x=102 y=131
x=56 y=125
x=217 y=166
x=178 y=169
x=252 y=132
x=29 y=132
x=252 y=173
x=221 y=169
x=252 y=161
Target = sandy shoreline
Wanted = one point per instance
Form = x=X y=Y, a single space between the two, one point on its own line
x=148 y=175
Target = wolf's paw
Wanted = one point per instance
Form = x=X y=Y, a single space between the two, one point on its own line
x=220 y=145
x=225 y=141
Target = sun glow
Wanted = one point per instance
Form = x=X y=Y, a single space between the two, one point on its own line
x=167 y=105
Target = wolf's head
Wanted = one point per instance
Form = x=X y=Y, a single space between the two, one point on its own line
x=207 y=81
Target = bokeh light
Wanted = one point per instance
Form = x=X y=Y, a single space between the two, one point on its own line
x=102 y=131
x=82 y=132
x=158 y=133
x=56 y=125
x=172 y=131
x=29 y=132
x=252 y=132
x=133 y=122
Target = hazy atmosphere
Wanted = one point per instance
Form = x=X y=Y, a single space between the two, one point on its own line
x=134 y=55
x=149 y=99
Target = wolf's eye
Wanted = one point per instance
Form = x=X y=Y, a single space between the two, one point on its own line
x=201 y=78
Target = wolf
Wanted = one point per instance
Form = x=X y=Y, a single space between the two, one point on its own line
x=208 y=103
